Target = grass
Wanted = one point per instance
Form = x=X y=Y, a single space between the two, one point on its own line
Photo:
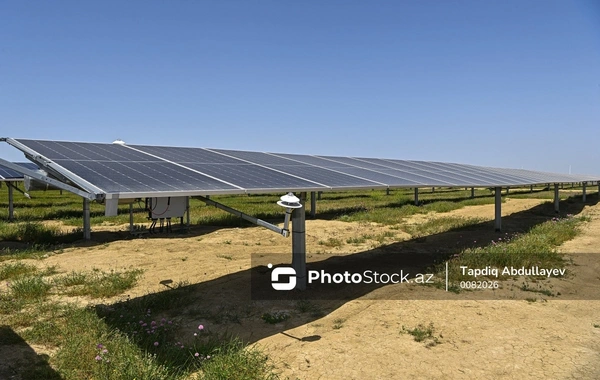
x=275 y=317
x=422 y=333
x=331 y=243
x=526 y=287
x=30 y=288
x=130 y=350
x=536 y=247
x=439 y=225
x=16 y=269
x=338 y=323
x=98 y=284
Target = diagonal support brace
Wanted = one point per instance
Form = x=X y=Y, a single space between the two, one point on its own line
x=285 y=232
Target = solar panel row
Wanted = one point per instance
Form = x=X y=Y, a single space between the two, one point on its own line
x=7 y=174
x=130 y=170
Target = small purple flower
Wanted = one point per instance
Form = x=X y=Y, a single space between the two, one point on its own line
x=105 y=351
x=98 y=358
x=99 y=346
x=155 y=344
x=201 y=327
x=196 y=354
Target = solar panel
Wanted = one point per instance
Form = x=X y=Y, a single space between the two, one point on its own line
x=244 y=174
x=327 y=177
x=117 y=169
x=126 y=171
x=10 y=174
x=392 y=180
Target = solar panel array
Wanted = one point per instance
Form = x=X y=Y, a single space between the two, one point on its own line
x=132 y=170
x=7 y=174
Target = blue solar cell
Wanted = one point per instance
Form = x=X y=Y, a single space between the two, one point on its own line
x=327 y=177
x=115 y=168
x=7 y=173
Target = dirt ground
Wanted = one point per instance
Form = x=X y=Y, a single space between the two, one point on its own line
x=363 y=338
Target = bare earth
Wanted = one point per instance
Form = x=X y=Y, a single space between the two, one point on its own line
x=362 y=338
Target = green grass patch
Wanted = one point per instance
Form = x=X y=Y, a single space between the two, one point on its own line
x=275 y=317
x=423 y=333
x=30 y=288
x=440 y=225
x=16 y=269
x=331 y=243
x=98 y=284
x=537 y=247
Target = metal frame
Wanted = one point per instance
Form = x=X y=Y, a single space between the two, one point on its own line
x=54 y=168
x=46 y=179
x=259 y=222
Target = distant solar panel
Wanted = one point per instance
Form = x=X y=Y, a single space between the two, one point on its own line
x=7 y=174
x=128 y=171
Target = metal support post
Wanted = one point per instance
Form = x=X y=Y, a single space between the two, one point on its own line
x=313 y=204
x=416 y=196
x=498 y=208
x=556 y=198
x=583 y=197
x=299 y=244
x=131 y=217
x=187 y=212
x=472 y=192
x=87 y=230
x=11 y=207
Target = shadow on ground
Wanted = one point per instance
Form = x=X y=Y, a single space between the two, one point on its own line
x=226 y=303
x=18 y=361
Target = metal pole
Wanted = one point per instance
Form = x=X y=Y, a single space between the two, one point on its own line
x=416 y=196
x=507 y=189
x=187 y=212
x=131 y=217
x=87 y=230
x=556 y=198
x=584 y=195
x=498 y=208
x=319 y=195
x=531 y=189
x=313 y=204
x=299 y=244
x=387 y=191
x=11 y=207
x=472 y=192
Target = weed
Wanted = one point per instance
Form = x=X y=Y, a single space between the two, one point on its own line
x=30 y=288
x=98 y=284
x=331 y=242
x=423 y=333
x=276 y=317
x=338 y=323
x=17 y=269
x=527 y=288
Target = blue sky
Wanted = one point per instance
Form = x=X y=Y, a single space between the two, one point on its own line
x=511 y=83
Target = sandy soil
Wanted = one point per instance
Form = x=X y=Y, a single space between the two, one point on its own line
x=363 y=338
